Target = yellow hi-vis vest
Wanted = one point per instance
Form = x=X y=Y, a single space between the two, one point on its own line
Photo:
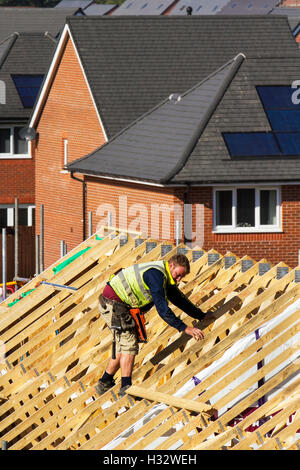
x=129 y=285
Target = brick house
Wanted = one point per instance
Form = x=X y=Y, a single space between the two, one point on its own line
x=21 y=77
x=106 y=145
x=27 y=43
x=24 y=59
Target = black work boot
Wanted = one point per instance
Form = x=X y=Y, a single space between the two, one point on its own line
x=122 y=391
x=103 y=386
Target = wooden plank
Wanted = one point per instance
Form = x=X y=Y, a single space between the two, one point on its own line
x=177 y=402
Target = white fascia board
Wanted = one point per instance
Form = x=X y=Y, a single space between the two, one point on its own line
x=49 y=76
x=64 y=36
x=128 y=180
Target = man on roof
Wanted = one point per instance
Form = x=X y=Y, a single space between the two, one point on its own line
x=131 y=292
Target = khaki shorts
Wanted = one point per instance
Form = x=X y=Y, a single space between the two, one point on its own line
x=126 y=341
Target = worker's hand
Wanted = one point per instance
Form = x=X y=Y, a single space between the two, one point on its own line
x=194 y=332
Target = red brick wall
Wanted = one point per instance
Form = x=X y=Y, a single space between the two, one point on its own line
x=126 y=198
x=18 y=181
x=275 y=247
x=68 y=113
x=289 y=3
x=134 y=207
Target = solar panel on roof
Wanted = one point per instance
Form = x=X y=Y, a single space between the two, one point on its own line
x=275 y=97
x=283 y=113
x=28 y=87
x=289 y=142
x=242 y=144
x=284 y=120
x=284 y=117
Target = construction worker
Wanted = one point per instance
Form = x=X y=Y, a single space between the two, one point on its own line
x=136 y=289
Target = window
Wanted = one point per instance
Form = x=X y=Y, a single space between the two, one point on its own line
x=26 y=215
x=65 y=152
x=11 y=144
x=247 y=209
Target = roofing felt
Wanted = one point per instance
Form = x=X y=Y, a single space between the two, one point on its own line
x=156 y=56
x=249 y=7
x=200 y=7
x=25 y=54
x=160 y=142
x=143 y=7
x=32 y=20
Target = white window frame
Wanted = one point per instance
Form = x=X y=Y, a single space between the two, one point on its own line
x=11 y=154
x=10 y=213
x=258 y=228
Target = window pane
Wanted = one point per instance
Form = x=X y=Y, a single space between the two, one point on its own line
x=268 y=207
x=3 y=218
x=20 y=145
x=23 y=216
x=224 y=207
x=33 y=216
x=4 y=140
x=245 y=208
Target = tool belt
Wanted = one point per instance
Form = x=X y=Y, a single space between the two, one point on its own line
x=125 y=318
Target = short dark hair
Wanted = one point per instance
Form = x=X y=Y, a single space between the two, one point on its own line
x=180 y=260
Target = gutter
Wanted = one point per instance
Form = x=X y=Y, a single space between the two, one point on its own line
x=83 y=203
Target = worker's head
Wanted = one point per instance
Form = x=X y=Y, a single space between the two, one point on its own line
x=179 y=266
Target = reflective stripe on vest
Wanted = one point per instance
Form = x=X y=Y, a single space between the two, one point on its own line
x=130 y=287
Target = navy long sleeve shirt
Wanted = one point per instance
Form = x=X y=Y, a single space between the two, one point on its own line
x=154 y=279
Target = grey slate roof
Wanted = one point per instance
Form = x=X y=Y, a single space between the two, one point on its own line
x=140 y=71
x=200 y=7
x=99 y=9
x=143 y=59
x=293 y=15
x=25 y=54
x=249 y=7
x=32 y=20
x=241 y=111
x=143 y=7
x=74 y=4
x=160 y=142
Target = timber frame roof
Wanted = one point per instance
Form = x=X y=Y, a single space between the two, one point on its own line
x=237 y=389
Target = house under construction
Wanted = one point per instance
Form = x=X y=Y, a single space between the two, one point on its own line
x=238 y=389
